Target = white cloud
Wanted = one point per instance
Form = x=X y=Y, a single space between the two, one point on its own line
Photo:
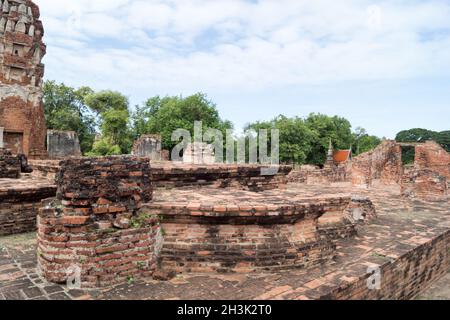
x=177 y=46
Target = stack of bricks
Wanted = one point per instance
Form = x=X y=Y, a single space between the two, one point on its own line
x=9 y=165
x=424 y=184
x=243 y=177
x=94 y=223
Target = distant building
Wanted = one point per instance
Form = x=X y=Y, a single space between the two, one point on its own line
x=338 y=157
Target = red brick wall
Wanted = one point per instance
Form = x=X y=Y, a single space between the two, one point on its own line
x=432 y=156
x=384 y=163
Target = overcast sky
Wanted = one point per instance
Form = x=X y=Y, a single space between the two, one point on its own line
x=385 y=65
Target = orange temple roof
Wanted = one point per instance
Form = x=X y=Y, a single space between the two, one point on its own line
x=342 y=156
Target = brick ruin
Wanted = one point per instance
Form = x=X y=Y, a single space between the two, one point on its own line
x=424 y=184
x=62 y=144
x=21 y=72
x=199 y=153
x=94 y=224
x=9 y=165
x=384 y=163
x=107 y=220
x=125 y=217
x=248 y=232
x=19 y=205
x=431 y=155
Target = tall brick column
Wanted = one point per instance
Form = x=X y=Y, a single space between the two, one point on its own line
x=94 y=224
x=21 y=72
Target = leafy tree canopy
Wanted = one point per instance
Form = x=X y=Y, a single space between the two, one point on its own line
x=65 y=109
x=165 y=115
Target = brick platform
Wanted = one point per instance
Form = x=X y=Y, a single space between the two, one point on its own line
x=20 y=201
x=213 y=230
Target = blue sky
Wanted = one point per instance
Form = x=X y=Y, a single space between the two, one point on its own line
x=385 y=65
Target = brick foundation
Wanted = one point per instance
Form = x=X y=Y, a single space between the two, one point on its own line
x=215 y=237
x=168 y=175
x=243 y=177
x=315 y=175
x=94 y=222
x=19 y=207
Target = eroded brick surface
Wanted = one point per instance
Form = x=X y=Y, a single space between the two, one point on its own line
x=20 y=200
x=94 y=226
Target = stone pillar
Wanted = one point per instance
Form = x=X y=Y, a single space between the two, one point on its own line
x=62 y=144
x=148 y=146
x=96 y=219
x=1 y=137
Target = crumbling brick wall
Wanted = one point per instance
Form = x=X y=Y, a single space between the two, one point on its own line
x=384 y=163
x=253 y=236
x=244 y=177
x=9 y=165
x=424 y=184
x=314 y=175
x=431 y=155
x=21 y=72
x=94 y=223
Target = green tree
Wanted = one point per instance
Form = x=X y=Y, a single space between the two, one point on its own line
x=415 y=135
x=443 y=138
x=114 y=122
x=65 y=109
x=324 y=128
x=105 y=100
x=165 y=115
x=364 y=142
x=421 y=135
x=295 y=137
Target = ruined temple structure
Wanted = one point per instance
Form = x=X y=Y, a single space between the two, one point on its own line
x=148 y=146
x=337 y=168
x=95 y=218
x=431 y=155
x=21 y=72
x=384 y=164
x=62 y=144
